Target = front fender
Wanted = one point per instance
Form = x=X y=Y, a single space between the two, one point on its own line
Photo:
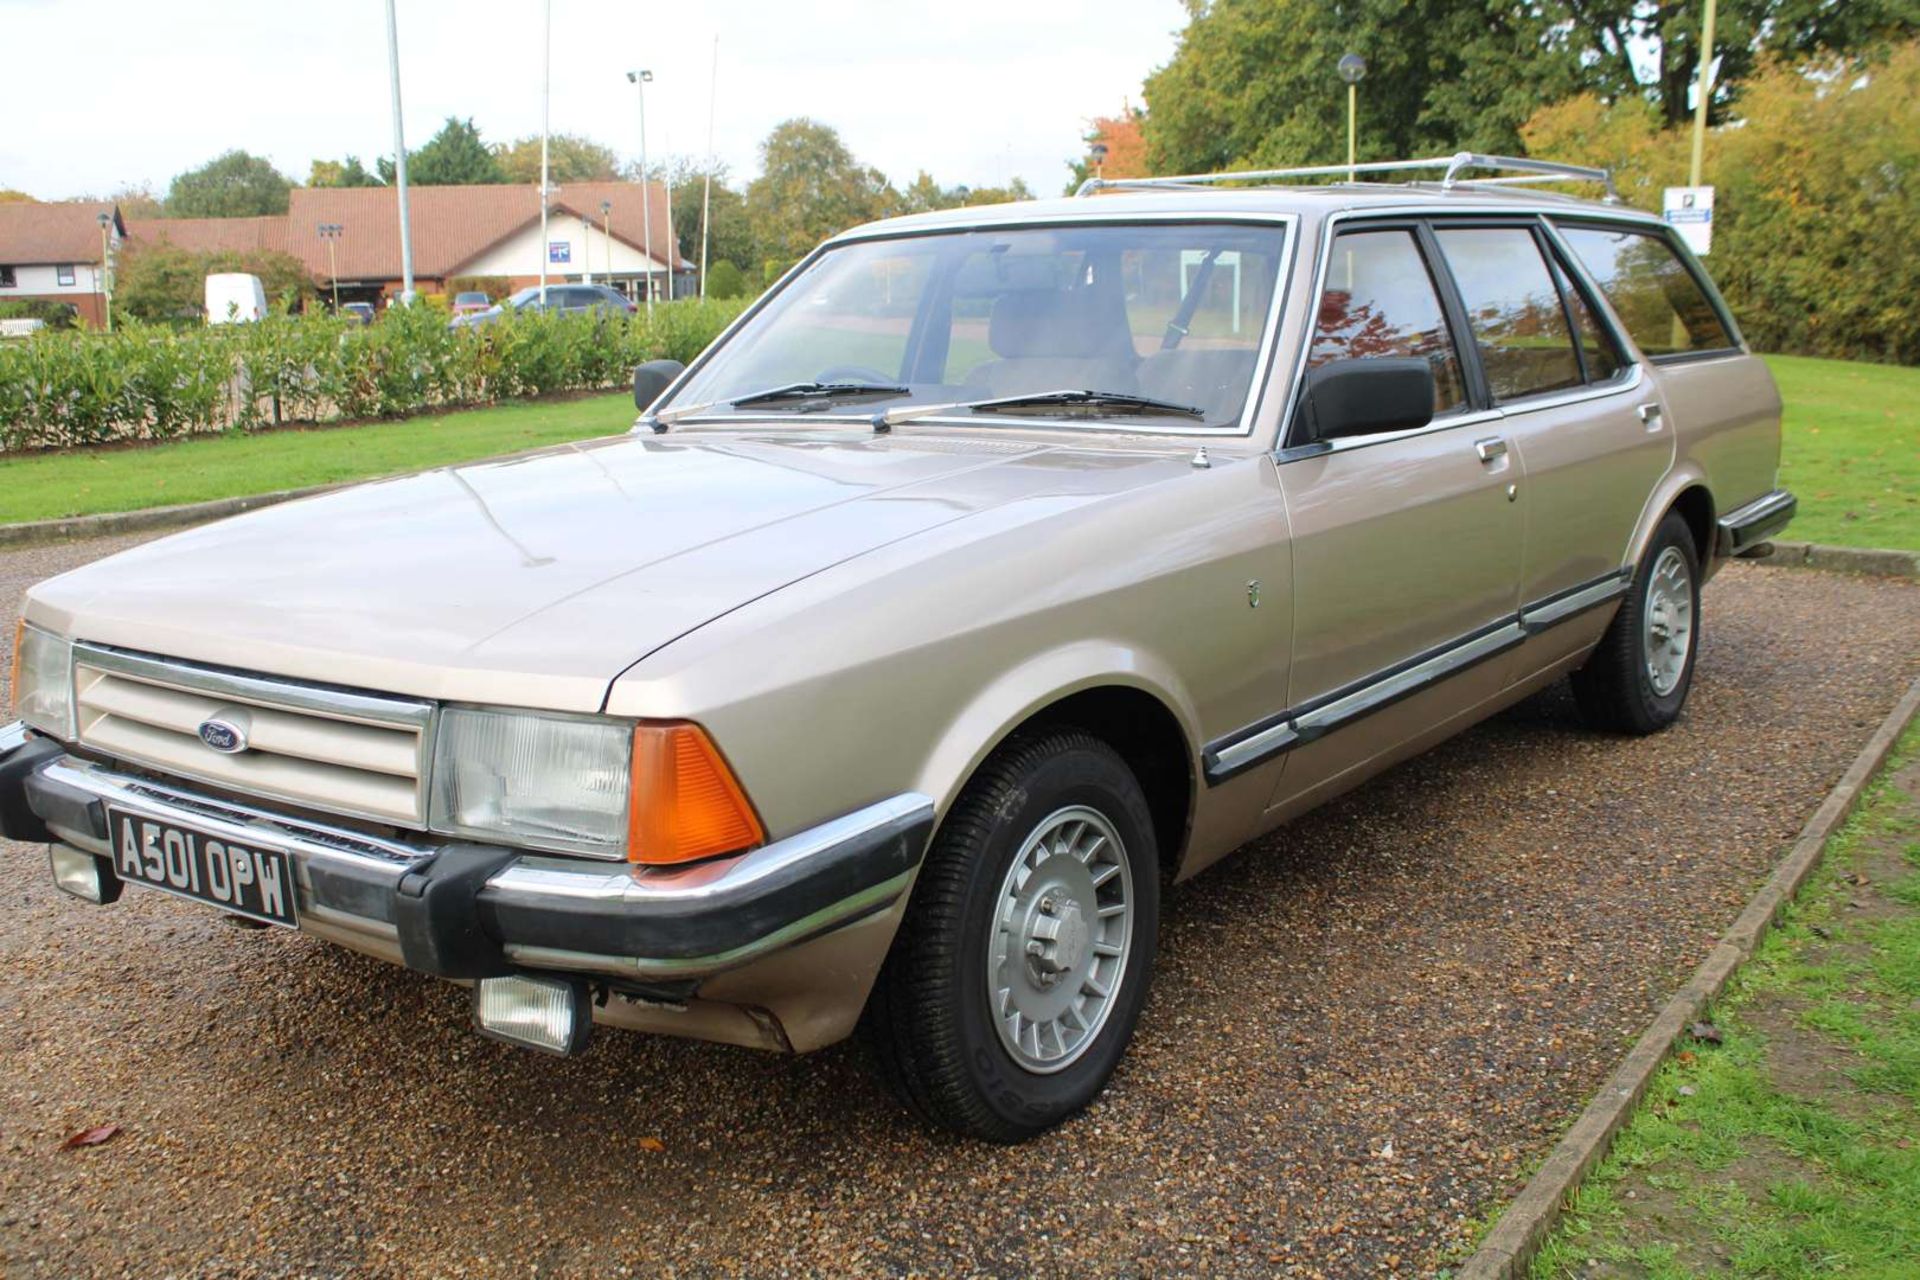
x=986 y=720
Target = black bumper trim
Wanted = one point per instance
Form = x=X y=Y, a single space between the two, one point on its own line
x=834 y=879
x=1743 y=530
x=21 y=754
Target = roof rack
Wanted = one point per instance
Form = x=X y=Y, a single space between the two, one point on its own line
x=1511 y=170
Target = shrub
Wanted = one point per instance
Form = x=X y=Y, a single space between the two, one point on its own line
x=1816 y=203
x=147 y=381
x=55 y=315
x=725 y=280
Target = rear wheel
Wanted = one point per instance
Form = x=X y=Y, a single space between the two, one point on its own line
x=1638 y=677
x=1018 y=974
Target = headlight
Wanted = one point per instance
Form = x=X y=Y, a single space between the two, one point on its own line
x=43 y=681
x=654 y=792
x=551 y=782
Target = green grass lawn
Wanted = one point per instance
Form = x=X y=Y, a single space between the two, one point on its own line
x=1792 y=1148
x=49 y=486
x=1852 y=454
x=1851 y=451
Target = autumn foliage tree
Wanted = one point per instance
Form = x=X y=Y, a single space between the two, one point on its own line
x=1124 y=137
x=1817 y=200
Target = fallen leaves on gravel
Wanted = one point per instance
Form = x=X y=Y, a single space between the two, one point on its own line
x=90 y=1137
x=652 y=1144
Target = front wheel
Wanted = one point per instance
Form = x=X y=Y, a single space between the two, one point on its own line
x=1018 y=974
x=1638 y=677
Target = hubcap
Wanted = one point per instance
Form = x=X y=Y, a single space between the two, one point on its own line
x=1667 y=632
x=1061 y=933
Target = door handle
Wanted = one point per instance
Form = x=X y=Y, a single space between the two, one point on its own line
x=1490 y=448
x=1650 y=414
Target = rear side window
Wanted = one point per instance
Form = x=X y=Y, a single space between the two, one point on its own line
x=1598 y=350
x=1380 y=300
x=1658 y=300
x=1514 y=308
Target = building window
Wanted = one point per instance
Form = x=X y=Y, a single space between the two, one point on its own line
x=6 y=278
x=64 y=273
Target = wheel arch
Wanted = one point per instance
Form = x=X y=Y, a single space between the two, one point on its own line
x=1127 y=702
x=1686 y=491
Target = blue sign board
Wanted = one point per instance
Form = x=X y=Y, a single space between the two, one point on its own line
x=559 y=251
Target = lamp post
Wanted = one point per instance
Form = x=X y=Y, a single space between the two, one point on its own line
x=330 y=232
x=640 y=80
x=1352 y=69
x=606 y=229
x=1098 y=154
x=399 y=160
x=106 y=267
x=546 y=102
x=1701 y=95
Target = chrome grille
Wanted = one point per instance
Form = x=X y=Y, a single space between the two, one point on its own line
x=335 y=750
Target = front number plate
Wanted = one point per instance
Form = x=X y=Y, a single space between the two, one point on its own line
x=247 y=880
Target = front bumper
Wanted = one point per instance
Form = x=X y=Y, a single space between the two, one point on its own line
x=468 y=911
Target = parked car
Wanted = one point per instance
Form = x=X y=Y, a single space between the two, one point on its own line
x=235 y=297
x=568 y=299
x=1000 y=567
x=470 y=301
x=361 y=311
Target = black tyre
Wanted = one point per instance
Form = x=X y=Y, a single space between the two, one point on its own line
x=1014 y=984
x=1637 y=679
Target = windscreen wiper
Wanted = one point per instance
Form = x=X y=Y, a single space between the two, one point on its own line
x=818 y=391
x=1114 y=401
x=812 y=393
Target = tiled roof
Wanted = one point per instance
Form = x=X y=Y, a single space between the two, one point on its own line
x=33 y=232
x=451 y=225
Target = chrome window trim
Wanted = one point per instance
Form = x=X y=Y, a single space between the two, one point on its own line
x=277 y=692
x=1258 y=383
x=1634 y=372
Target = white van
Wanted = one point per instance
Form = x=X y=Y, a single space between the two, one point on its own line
x=234 y=297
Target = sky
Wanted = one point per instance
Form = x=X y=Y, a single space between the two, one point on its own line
x=105 y=94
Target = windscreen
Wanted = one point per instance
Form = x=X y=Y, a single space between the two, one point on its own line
x=1171 y=313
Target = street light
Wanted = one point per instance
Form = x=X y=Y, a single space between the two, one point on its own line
x=606 y=226
x=106 y=266
x=1352 y=68
x=640 y=80
x=400 y=161
x=330 y=232
x=1098 y=154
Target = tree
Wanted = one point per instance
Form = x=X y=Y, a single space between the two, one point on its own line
x=1651 y=48
x=570 y=158
x=137 y=200
x=810 y=186
x=1252 y=84
x=232 y=185
x=924 y=194
x=455 y=156
x=160 y=281
x=9 y=196
x=1124 y=137
x=1814 y=195
x=342 y=173
x=729 y=231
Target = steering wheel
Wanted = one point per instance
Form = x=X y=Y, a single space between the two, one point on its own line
x=852 y=373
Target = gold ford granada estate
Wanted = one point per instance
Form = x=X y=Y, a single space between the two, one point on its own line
x=996 y=568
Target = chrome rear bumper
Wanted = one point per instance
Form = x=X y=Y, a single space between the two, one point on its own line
x=1743 y=530
x=471 y=911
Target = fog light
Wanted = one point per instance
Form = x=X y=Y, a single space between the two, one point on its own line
x=549 y=1014
x=83 y=875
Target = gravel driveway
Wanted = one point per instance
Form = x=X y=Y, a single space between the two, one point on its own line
x=1362 y=1032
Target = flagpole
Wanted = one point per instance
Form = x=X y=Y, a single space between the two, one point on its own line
x=706 y=195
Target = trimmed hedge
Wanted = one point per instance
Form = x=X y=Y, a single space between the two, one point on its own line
x=142 y=382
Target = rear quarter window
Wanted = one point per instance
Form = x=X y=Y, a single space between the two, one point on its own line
x=1659 y=301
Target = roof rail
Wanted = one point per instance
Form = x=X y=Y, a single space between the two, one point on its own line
x=1511 y=170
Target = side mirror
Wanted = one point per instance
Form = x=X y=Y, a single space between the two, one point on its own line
x=1374 y=393
x=651 y=378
